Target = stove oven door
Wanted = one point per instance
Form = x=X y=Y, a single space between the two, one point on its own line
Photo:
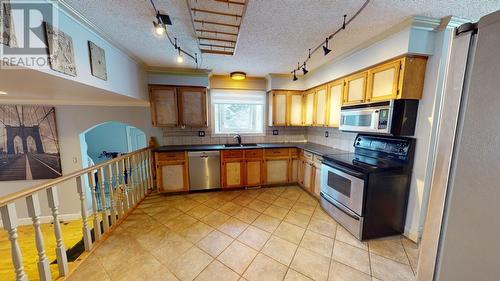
x=344 y=185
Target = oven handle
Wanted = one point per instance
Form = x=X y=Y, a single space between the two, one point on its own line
x=344 y=169
x=340 y=206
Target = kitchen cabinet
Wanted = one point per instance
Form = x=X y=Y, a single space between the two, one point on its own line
x=307 y=175
x=308 y=108
x=293 y=176
x=279 y=108
x=296 y=109
x=316 y=175
x=335 y=94
x=253 y=167
x=164 y=110
x=355 y=88
x=399 y=79
x=232 y=168
x=320 y=106
x=276 y=161
x=172 y=171
x=178 y=106
x=193 y=106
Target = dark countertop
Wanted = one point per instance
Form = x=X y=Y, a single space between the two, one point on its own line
x=308 y=146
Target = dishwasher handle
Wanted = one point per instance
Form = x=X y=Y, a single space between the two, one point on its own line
x=204 y=154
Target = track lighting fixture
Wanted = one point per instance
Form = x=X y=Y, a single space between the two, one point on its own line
x=180 y=59
x=325 y=47
x=159 y=28
x=160 y=25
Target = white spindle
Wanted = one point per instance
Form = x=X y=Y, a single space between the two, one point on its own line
x=34 y=212
x=109 y=179
x=117 y=190
x=62 y=259
x=95 y=213
x=150 y=169
x=131 y=186
x=136 y=185
x=126 y=201
x=141 y=174
x=104 y=211
x=146 y=170
x=82 y=191
x=10 y=223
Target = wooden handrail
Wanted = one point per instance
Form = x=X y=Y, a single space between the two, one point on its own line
x=4 y=200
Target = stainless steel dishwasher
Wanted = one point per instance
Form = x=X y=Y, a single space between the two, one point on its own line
x=204 y=170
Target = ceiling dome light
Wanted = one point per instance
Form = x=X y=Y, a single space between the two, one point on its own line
x=238 y=75
x=325 y=47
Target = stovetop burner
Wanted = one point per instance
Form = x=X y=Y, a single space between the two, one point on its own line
x=362 y=162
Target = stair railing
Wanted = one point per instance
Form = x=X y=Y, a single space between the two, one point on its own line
x=122 y=183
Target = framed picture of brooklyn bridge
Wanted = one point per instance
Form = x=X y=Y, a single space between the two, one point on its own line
x=29 y=147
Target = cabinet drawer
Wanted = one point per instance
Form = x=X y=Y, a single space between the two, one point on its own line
x=231 y=154
x=277 y=152
x=171 y=156
x=294 y=152
x=307 y=155
x=254 y=153
x=317 y=158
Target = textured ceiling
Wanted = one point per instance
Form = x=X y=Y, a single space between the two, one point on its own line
x=274 y=34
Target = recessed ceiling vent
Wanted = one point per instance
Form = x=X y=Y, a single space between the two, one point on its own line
x=217 y=24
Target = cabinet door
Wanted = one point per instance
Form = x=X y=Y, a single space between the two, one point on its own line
x=279 y=108
x=355 y=88
x=308 y=176
x=295 y=114
x=172 y=177
x=383 y=82
x=320 y=106
x=301 y=172
x=309 y=109
x=253 y=172
x=164 y=106
x=277 y=171
x=294 y=171
x=317 y=181
x=334 y=103
x=232 y=174
x=193 y=107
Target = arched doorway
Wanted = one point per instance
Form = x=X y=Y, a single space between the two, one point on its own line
x=18 y=145
x=31 y=144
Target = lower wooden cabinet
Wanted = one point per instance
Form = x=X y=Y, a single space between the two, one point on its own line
x=307 y=175
x=172 y=172
x=294 y=170
x=232 y=173
x=276 y=171
x=316 y=185
x=253 y=170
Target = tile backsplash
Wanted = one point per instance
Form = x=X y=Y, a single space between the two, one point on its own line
x=335 y=139
x=177 y=136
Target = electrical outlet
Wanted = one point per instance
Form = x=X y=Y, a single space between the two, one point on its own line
x=326 y=134
x=275 y=132
x=201 y=133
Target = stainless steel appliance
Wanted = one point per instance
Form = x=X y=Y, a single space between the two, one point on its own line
x=367 y=191
x=395 y=117
x=204 y=170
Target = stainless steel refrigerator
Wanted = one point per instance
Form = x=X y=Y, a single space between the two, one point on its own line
x=461 y=239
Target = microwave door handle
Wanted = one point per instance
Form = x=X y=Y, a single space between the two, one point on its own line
x=376 y=118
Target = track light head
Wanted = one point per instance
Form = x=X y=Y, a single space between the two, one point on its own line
x=180 y=58
x=294 y=76
x=304 y=70
x=159 y=28
x=325 y=48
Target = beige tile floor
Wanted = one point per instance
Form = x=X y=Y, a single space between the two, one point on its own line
x=265 y=234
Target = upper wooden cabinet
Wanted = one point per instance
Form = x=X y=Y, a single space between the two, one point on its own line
x=308 y=108
x=164 y=111
x=320 y=106
x=296 y=100
x=355 y=88
x=278 y=112
x=178 y=106
x=335 y=95
x=285 y=108
x=399 y=79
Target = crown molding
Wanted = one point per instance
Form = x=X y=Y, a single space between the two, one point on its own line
x=452 y=22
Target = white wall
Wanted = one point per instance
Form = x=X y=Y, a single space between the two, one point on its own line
x=71 y=121
x=125 y=75
x=178 y=79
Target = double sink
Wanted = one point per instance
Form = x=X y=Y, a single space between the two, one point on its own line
x=241 y=145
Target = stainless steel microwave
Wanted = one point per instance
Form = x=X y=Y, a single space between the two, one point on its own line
x=395 y=117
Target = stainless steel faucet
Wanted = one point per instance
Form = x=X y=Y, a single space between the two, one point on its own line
x=238 y=137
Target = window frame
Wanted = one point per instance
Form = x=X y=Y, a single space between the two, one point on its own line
x=242 y=133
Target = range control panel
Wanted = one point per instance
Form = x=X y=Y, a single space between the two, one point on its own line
x=386 y=147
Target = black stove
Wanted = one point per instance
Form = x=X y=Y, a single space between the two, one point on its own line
x=367 y=191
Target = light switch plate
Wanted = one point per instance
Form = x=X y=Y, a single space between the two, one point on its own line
x=201 y=133
x=275 y=132
x=326 y=134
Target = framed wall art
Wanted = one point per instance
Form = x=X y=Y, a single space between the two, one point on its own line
x=61 y=53
x=97 y=61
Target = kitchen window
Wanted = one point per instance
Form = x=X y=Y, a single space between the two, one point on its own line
x=238 y=112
